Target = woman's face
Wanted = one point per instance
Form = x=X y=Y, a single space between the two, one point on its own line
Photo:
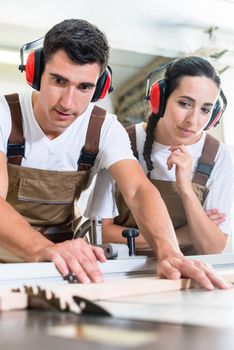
x=188 y=110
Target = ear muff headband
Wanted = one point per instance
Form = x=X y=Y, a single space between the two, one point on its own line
x=157 y=93
x=34 y=64
x=28 y=47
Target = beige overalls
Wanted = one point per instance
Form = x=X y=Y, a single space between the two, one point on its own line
x=47 y=198
x=169 y=192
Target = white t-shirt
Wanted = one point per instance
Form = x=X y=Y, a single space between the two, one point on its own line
x=62 y=153
x=220 y=183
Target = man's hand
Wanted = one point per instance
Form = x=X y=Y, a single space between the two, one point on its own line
x=75 y=256
x=177 y=266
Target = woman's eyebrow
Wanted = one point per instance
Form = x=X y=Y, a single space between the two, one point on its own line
x=187 y=97
x=192 y=100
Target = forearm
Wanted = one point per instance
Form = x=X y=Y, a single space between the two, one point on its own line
x=206 y=236
x=183 y=235
x=147 y=207
x=112 y=233
x=17 y=235
x=154 y=223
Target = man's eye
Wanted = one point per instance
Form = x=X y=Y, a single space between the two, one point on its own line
x=59 y=81
x=86 y=87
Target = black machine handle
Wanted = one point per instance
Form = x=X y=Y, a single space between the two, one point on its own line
x=131 y=234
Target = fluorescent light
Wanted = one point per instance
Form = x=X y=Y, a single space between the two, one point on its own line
x=9 y=57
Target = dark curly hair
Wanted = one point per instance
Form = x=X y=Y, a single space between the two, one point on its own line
x=193 y=66
x=82 y=41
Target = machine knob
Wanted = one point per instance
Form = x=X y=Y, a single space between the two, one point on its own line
x=130 y=234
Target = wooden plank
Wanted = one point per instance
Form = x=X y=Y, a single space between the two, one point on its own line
x=19 y=274
x=116 y=288
x=13 y=301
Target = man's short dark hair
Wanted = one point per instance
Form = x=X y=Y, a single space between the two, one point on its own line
x=82 y=41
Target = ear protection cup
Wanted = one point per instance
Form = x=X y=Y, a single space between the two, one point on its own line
x=157 y=97
x=215 y=117
x=34 y=68
x=218 y=111
x=103 y=85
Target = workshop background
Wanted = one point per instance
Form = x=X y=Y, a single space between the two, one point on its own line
x=142 y=35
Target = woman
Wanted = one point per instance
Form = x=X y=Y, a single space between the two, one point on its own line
x=192 y=170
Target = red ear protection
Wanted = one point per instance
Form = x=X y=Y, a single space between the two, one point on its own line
x=35 y=65
x=218 y=111
x=103 y=85
x=157 y=97
x=34 y=68
x=157 y=93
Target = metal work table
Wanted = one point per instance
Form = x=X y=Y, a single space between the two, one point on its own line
x=29 y=329
x=179 y=319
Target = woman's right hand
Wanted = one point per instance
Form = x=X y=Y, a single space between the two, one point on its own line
x=182 y=160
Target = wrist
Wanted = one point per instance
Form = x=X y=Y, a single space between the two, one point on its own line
x=186 y=191
x=164 y=249
x=40 y=245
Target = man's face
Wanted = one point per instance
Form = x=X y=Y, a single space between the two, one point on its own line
x=66 y=91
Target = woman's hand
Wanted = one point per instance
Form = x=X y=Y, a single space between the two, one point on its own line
x=183 y=162
x=216 y=216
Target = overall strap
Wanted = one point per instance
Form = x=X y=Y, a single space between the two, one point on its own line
x=206 y=161
x=16 y=142
x=90 y=149
x=131 y=130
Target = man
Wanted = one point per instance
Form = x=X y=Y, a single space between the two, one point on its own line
x=44 y=183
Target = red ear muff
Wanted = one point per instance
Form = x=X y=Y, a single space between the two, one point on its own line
x=157 y=93
x=103 y=85
x=157 y=97
x=218 y=111
x=35 y=63
x=215 y=117
x=33 y=68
